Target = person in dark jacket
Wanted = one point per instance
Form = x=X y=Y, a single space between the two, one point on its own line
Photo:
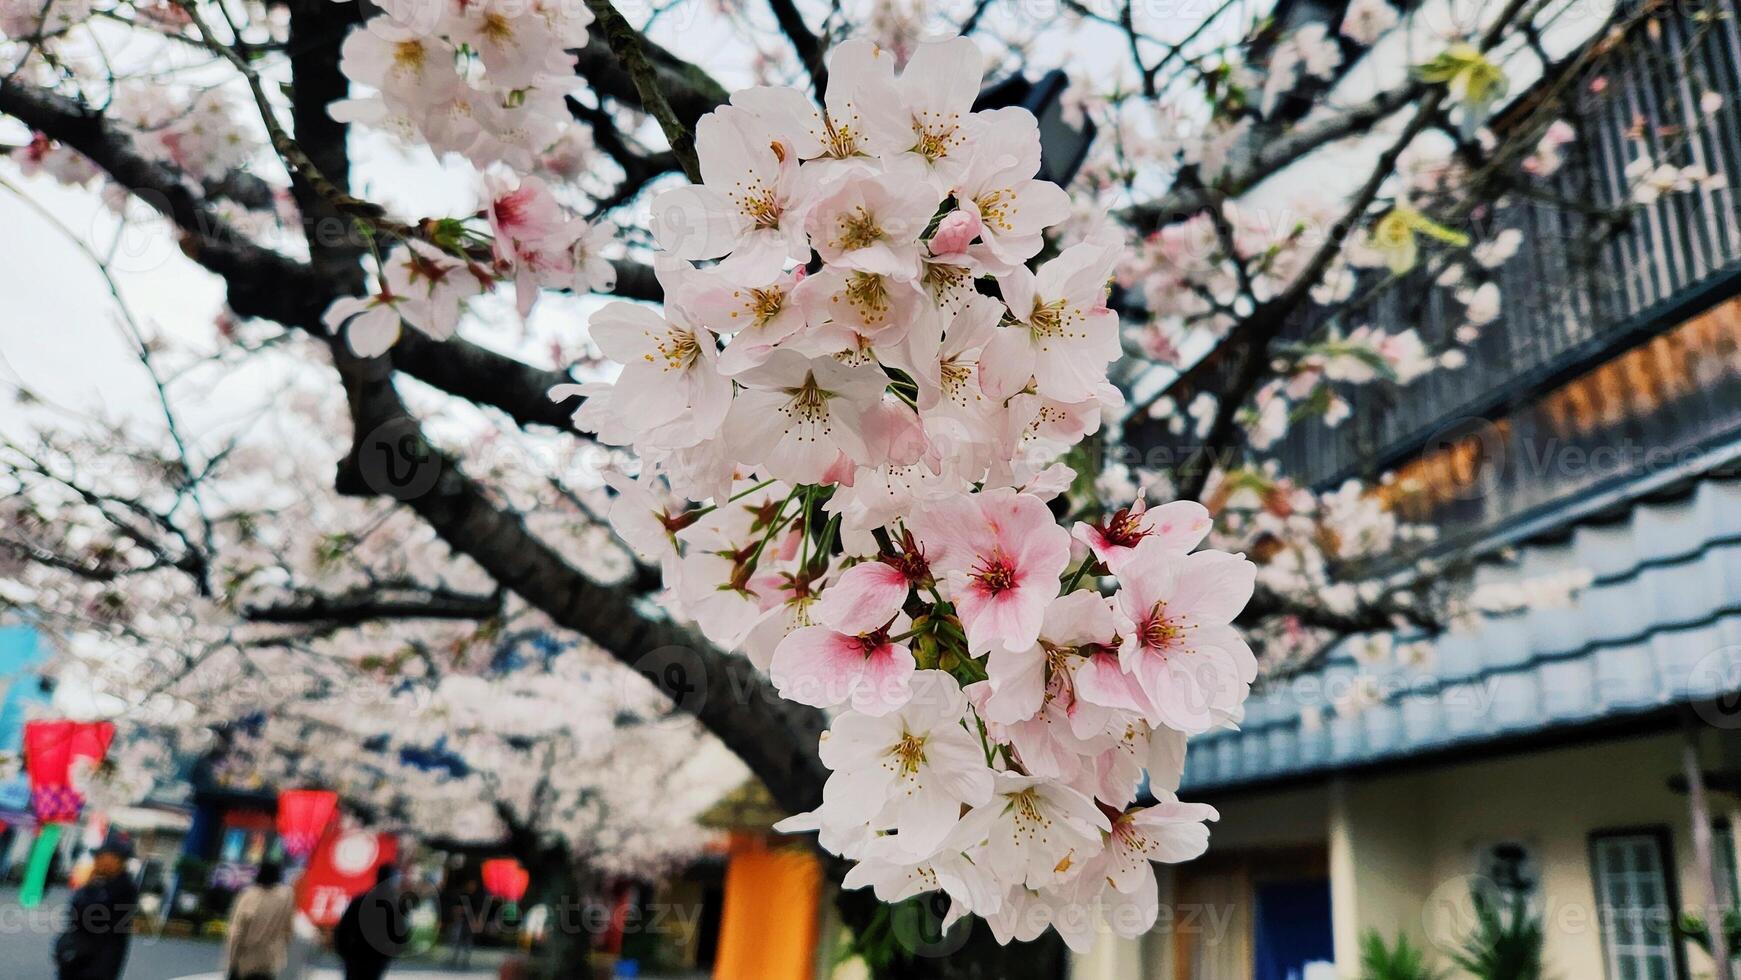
x=375 y=928
x=468 y=910
x=100 y=919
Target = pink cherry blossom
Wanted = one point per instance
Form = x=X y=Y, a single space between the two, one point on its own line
x=955 y=232
x=1192 y=665
x=745 y=205
x=1001 y=555
x=822 y=667
x=1063 y=335
x=1180 y=525
x=864 y=596
x=872 y=225
x=796 y=415
x=1011 y=209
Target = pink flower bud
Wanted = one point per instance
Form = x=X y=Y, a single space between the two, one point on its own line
x=954 y=232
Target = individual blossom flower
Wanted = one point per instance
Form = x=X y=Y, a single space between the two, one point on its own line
x=1167 y=831
x=1036 y=829
x=514 y=41
x=593 y=273
x=1036 y=702
x=999 y=190
x=760 y=318
x=371 y=323
x=937 y=89
x=909 y=771
x=745 y=205
x=1062 y=336
x=872 y=225
x=646 y=518
x=797 y=415
x=943 y=358
x=1000 y=554
x=859 y=664
x=1180 y=525
x=1018 y=680
x=1035 y=428
x=1122 y=878
x=894 y=876
x=850 y=307
x=860 y=118
x=670 y=392
x=535 y=238
x=400 y=63
x=1192 y=665
x=434 y=286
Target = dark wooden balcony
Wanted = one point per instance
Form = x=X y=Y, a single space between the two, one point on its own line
x=1488 y=448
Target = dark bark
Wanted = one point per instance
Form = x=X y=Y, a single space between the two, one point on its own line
x=691 y=92
x=568 y=890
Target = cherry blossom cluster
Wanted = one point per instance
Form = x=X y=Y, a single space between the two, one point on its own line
x=535 y=242
x=1308 y=543
x=850 y=425
x=484 y=80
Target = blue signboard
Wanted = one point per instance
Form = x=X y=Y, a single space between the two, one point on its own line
x=21 y=651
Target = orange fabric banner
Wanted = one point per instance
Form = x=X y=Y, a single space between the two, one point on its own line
x=767 y=929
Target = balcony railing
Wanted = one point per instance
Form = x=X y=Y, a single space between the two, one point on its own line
x=1583 y=288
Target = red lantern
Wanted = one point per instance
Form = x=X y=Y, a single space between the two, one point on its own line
x=505 y=879
x=302 y=818
x=59 y=754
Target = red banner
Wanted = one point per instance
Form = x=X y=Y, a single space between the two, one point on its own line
x=342 y=867
x=58 y=755
x=303 y=815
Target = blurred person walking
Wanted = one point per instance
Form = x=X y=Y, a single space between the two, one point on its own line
x=99 y=919
x=257 y=944
x=468 y=912
x=375 y=928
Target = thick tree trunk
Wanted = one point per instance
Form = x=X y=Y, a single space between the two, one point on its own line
x=565 y=887
x=917 y=949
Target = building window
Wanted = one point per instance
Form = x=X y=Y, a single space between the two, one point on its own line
x=1723 y=855
x=1635 y=897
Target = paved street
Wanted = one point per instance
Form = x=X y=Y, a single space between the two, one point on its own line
x=27 y=936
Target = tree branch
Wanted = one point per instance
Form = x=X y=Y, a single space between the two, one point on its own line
x=372 y=603
x=812 y=51
x=1367 y=617
x=1260 y=153
x=266 y=284
x=692 y=93
x=631 y=50
x=776 y=738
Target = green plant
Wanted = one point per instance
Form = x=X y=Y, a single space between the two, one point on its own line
x=1506 y=944
x=1405 y=962
x=1693 y=927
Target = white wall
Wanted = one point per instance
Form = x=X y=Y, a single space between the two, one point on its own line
x=1401 y=847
